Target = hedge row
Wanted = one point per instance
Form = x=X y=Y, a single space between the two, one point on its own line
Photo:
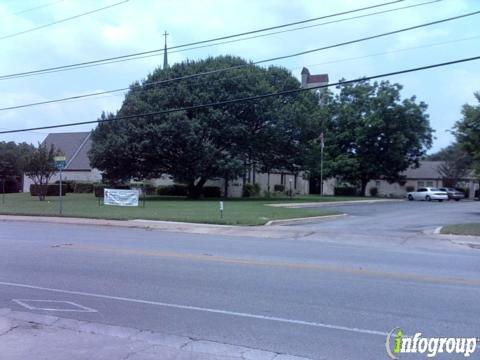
x=46 y=190
x=182 y=190
x=345 y=191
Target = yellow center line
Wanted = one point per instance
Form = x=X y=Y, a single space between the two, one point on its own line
x=357 y=271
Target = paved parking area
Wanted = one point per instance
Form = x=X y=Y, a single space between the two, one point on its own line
x=393 y=222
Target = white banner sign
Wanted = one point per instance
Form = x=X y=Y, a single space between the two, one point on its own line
x=120 y=197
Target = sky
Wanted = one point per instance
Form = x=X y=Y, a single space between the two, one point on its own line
x=138 y=25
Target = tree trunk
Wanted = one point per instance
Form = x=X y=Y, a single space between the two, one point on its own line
x=364 y=186
x=268 y=184
x=195 y=190
x=226 y=187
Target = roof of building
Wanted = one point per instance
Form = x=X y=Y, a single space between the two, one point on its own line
x=427 y=170
x=75 y=147
x=320 y=78
x=308 y=79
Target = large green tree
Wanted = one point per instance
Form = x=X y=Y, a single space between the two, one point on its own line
x=40 y=166
x=467 y=131
x=12 y=161
x=210 y=142
x=457 y=163
x=371 y=133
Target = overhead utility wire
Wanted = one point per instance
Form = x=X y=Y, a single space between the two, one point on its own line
x=245 y=99
x=244 y=65
x=61 y=21
x=37 y=7
x=219 y=43
x=202 y=41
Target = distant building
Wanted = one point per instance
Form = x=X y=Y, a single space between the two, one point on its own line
x=309 y=81
x=75 y=147
x=426 y=175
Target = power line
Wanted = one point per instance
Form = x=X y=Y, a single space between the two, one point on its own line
x=38 y=7
x=61 y=21
x=329 y=62
x=245 y=99
x=336 y=61
x=161 y=82
x=200 y=42
x=134 y=57
x=7 y=77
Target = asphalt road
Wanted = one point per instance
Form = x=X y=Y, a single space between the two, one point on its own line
x=332 y=299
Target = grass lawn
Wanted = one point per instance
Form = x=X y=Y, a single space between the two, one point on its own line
x=462 y=229
x=237 y=211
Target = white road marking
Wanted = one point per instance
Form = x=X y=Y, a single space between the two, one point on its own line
x=27 y=303
x=202 y=309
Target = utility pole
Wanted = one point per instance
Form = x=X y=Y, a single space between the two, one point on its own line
x=60 y=163
x=322 y=145
x=165 y=56
x=3 y=191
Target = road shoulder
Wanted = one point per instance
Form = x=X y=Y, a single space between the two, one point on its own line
x=23 y=334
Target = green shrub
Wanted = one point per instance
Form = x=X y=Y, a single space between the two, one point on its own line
x=83 y=188
x=211 y=192
x=68 y=184
x=373 y=191
x=173 y=190
x=150 y=190
x=279 y=188
x=46 y=190
x=251 y=190
x=12 y=185
x=345 y=191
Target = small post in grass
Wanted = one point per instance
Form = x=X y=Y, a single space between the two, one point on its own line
x=291 y=192
x=3 y=191
x=221 y=209
x=60 y=163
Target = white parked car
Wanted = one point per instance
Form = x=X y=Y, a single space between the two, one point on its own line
x=427 y=194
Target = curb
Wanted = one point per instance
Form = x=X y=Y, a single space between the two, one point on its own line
x=182 y=227
x=180 y=343
x=260 y=231
x=332 y=203
x=471 y=241
x=306 y=220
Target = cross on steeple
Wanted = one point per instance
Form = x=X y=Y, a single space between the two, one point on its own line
x=165 y=56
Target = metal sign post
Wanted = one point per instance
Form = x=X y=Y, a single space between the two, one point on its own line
x=3 y=191
x=221 y=209
x=322 y=145
x=60 y=163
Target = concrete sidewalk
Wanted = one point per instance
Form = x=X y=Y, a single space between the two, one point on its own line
x=274 y=230
x=25 y=335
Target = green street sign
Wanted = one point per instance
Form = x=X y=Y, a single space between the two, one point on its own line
x=60 y=162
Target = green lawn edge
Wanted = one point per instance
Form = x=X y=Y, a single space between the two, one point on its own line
x=245 y=212
x=471 y=229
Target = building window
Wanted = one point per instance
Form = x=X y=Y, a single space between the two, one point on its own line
x=295 y=182
x=429 y=184
x=282 y=178
x=377 y=184
x=420 y=183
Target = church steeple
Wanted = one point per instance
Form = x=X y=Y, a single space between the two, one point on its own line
x=165 y=56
